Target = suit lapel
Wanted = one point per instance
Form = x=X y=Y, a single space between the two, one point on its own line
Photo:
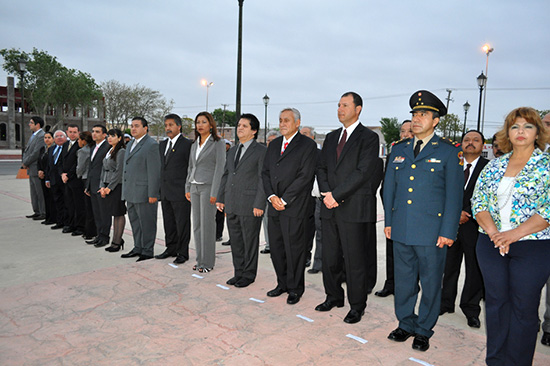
x=292 y=145
x=351 y=139
x=427 y=150
x=209 y=145
x=138 y=146
x=247 y=153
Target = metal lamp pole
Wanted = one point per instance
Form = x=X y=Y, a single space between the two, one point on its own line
x=466 y=107
x=22 y=69
x=488 y=49
x=208 y=85
x=266 y=102
x=481 y=82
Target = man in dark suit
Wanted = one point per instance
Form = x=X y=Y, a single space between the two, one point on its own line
x=288 y=172
x=53 y=179
x=141 y=189
x=102 y=216
x=349 y=173
x=74 y=188
x=242 y=196
x=176 y=209
x=465 y=244
x=422 y=203
x=30 y=162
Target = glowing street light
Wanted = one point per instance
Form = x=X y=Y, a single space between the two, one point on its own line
x=487 y=49
x=208 y=85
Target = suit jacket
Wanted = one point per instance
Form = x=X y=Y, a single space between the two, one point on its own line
x=208 y=168
x=290 y=175
x=70 y=160
x=241 y=188
x=83 y=162
x=423 y=194
x=354 y=178
x=469 y=189
x=111 y=172
x=94 y=171
x=173 y=171
x=141 y=173
x=54 y=170
x=32 y=153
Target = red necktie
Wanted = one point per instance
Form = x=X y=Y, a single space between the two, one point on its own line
x=284 y=148
x=341 y=144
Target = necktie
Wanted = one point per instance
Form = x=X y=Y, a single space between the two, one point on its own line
x=238 y=156
x=32 y=137
x=341 y=144
x=70 y=145
x=284 y=148
x=417 y=148
x=95 y=151
x=56 y=154
x=169 y=151
x=467 y=173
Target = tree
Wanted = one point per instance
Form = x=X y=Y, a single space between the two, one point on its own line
x=230 y=118
x=390 y=129
x=543 y=112
x=50 y=84
x=450 y=125
x=123 y=102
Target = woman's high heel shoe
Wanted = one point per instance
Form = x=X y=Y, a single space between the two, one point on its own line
x=115 y=247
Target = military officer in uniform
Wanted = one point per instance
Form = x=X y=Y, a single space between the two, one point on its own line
x=422 y=205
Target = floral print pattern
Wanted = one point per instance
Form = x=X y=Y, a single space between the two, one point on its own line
x=530 y=194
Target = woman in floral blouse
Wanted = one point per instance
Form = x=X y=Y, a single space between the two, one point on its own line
x=511 y=205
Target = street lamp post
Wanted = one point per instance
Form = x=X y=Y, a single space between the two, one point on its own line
x=481 y=82
x=466 y=107
x=208 y=85
x=266 y=102
x=22 y=69
x=239 y=66
x=487 y=49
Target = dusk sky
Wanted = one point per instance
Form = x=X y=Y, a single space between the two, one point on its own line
x=303 y=54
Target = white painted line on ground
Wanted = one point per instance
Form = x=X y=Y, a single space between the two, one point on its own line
x=197 y=276
x=172 y=265
x=358 y=339
x=222 y=287
x=420 y=361
x=305 y=318
x=257 y=300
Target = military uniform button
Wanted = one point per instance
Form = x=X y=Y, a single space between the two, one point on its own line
x=439 y=214
x=396 y=168
x=432 y=169
x=413 y=166
x=411 y=177
x=410 y=189
x=409 y=202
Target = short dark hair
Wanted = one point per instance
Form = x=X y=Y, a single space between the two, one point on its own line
x=254 y=122
x=467 y=132
x=175 y=117
x=142 y=120
x=49 y=133
x=38 y=121
x=86 y=136
x=357 y=100
x=405 y=121
x=103 y=128
x=73 y=125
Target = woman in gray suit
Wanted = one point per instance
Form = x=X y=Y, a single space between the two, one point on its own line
x=82 y=165
x=111 y=187
x=206 y=165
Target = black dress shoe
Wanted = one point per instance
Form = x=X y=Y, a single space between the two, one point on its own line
x=32 y=216
x=88 y=237
x=473 y=321
x=46 y=222
x=67 y=229
x=180 y=259
x=353 y=316
x=421 y=343
x=164 y=255
x=93 y=241
x=101 y=244
x=265 y=251
x=227 y=242
x=308 y=263
x=400 y=335
x=219 y=238
x=144 y=258
x=76 y=233
x=243 y=282
x=293 y=298
x=328 y=305
x=233 y=280
x=313 y=271
x=545 y=338
x=383 y=293
x=277 y=291
x=443 y=311
x=39 y=217
x=57 y=227
x=130 y=254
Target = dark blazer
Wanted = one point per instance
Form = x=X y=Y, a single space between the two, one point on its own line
x=70 y=160
x=241 y=188
x=53 y=172
x=469 y=190
x=173 y=171
x=94 y=172
x=42 y=162
x=290 y=175
x=354 y=178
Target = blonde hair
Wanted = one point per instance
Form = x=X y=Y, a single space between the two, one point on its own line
x=531 y=116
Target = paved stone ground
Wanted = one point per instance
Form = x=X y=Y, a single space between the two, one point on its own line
x=66 y=303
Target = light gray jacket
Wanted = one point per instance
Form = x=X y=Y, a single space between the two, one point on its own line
x=141 y=171
x=111 y=172
x=32 y=153
x=208 y=168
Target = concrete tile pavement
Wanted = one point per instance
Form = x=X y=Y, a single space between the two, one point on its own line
x=63 y=302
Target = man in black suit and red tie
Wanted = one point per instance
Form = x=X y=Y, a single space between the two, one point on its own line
x=287 y=174
x=465 y=243
x=349 y=173
x=176 y=209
